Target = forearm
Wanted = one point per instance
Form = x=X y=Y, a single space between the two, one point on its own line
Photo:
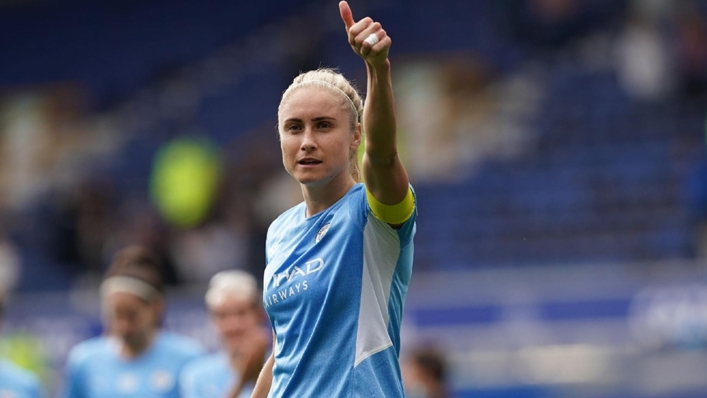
x=262 y=386
x=383 y=171
x=379 y=122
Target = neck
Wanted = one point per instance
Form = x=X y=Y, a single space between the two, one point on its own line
x=320 y=198
x=235 y=360
x=131 y=351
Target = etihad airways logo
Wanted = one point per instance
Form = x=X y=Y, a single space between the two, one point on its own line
x=299 y=285
x=310 y=267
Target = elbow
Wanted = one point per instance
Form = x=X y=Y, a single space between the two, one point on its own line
x=380 y=158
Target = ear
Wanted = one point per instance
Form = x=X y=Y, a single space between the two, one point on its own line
x=357 y=136
x=157 y=309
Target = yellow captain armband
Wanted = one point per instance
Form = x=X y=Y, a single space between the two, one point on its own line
x=392 y=214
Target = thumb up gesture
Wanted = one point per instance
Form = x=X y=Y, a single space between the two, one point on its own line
x=367 y=37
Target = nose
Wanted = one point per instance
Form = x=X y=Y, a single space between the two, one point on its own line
x=308 y=141
x=232 y=325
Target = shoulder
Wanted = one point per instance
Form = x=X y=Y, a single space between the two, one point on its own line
x=356 y=193
x=201 y=372
x=181 y=345
x=84 y=351
x=21 y=378
x=205 y=365
x=356 y=205
x=288 y=216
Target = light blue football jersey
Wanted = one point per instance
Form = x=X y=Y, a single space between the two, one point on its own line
x=211 y=377
x=334 y=288
x=95 y=369
x=18 y=383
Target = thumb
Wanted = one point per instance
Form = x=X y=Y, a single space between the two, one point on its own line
x=346 y=14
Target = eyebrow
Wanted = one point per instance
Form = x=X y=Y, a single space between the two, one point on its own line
x=316 y=119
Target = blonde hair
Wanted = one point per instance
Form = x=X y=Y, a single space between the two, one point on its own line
x=234 y=282
x=335 y=82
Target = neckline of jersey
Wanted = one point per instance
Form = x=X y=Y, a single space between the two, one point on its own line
x=316 y=216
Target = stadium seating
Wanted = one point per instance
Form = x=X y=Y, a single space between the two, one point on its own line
x=602 y=186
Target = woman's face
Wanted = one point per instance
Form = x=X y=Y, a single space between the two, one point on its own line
x=316 y=137
x=235 y=319
x=131 y=318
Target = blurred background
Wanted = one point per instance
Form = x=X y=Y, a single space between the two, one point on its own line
x=557 y=148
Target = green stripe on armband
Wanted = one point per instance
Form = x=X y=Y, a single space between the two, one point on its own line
x=392 y=214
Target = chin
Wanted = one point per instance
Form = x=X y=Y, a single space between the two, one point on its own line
x=313 y=181
x=134 y=343
x=234 y=346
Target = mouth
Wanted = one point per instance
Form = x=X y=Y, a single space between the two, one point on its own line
x=308 y=162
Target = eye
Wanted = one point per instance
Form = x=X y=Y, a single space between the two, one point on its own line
x=323 y=125
x=293 y=128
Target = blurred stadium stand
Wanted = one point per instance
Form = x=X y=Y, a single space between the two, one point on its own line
x=550 y=253
x=605 y=184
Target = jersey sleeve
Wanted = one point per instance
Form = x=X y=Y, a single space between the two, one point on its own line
x=407 y=230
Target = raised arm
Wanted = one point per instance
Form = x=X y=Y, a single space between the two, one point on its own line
x=384 y=174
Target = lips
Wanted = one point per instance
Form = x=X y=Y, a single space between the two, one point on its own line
x=308 y=161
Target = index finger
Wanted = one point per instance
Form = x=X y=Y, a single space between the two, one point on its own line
x=346 y=14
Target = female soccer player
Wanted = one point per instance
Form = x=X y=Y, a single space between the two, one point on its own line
x=338 y=264
x=237 y=314
x=424 y=373
x=135 y=358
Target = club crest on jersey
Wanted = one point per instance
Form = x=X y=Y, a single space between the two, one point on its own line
x=162 y=380
x=322 y=232
x=128 y=383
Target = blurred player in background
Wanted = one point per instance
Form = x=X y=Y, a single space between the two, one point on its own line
x=237 y=314
x=14 y=381
x=425 y=374
x=339 y=264
x=135 y=358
